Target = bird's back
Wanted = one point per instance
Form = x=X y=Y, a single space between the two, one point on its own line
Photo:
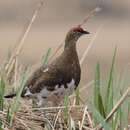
x=60 y=77
x=60 y=72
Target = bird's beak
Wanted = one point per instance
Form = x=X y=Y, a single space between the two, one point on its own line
x=85 y=32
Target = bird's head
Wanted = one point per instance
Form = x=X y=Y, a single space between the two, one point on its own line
x=74 y=34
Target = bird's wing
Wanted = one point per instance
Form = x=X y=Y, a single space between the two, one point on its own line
x=35 y=76
x=51 y=76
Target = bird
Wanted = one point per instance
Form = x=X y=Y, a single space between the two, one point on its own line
x=59 y=78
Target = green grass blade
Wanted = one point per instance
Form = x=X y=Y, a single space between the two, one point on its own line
x=97 y=87
x=18 y=95
x=1 y=128
x=109 y=94
x=8 y=118
x=46 y=57
x=97 y=116
x=2 y=91
x=1 y=123
x=77 y=98
x=121 y=118
x=98 y=101
x=66 y=110
x=15 y=106
x=101 y=107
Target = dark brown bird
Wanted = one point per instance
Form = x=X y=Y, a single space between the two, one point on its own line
x=59 y=78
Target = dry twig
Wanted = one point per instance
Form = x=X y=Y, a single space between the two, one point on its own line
x=18 y=49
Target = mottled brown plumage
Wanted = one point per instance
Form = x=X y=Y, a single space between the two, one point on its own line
x=61 y=74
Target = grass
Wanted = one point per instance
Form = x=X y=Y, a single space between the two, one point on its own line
x=16 y=104
x=108 y=107
x=105 y=99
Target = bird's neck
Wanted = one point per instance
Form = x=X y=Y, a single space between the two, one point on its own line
x=70 y=49
x=70 y=45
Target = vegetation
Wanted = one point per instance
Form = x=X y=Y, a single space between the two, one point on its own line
x=107 y=108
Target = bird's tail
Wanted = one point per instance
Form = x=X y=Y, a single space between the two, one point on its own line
x=10 y=95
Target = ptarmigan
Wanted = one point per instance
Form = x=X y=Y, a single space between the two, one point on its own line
x=59 y=78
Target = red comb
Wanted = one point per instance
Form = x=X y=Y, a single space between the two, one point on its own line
x=77 y=29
